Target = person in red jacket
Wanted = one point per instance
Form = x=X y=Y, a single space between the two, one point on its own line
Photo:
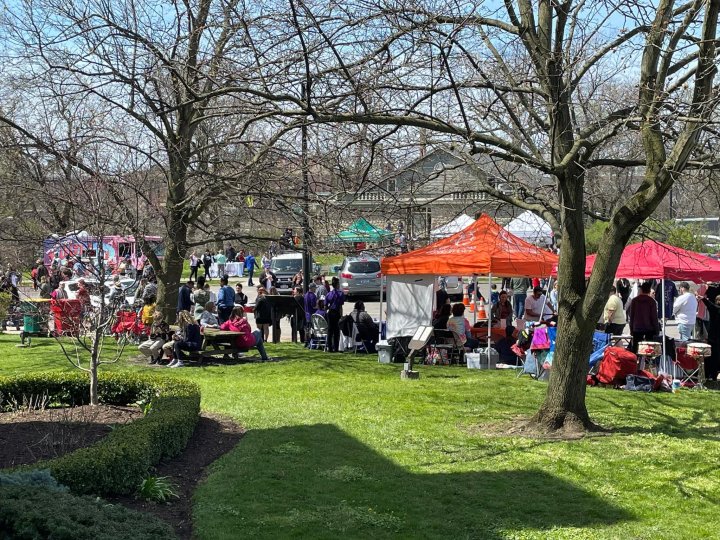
x=249 y=339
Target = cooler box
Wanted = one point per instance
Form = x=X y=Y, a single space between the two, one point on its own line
x=384 y=352
x=483 y=359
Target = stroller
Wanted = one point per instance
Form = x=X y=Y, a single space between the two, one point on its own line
x=128 y=328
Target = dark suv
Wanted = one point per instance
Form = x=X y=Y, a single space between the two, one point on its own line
x=360 y=275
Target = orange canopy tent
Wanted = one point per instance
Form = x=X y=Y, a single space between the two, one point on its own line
x=484 y=248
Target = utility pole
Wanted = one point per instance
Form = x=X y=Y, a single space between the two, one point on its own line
x=307 y=232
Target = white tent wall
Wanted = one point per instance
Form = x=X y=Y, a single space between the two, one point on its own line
x=531 y=228
x=463 y=221
x=409 y=303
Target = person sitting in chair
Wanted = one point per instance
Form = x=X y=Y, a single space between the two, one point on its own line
x=367 y=328
x=461 y=327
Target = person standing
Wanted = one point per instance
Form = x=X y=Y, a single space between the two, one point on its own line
x=225 y=300
x=520 y=287
x=207 y=260
x=250 y=265
x=321 y=291
x=241 y=298
x=623 y=287
x=266 y=261
x=184 y=302
x=712 y=364
x=220 y=260
x=310 y=301
x=263 y=313
x=334 y=302
x=194 y=265
x=643 y=316
x=200 y=298
x=614 y=314
x=685 y=311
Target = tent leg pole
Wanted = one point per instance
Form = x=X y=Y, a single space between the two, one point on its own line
x=663 y=320
x=474 y=302
x=489 y=313
x=380 y=317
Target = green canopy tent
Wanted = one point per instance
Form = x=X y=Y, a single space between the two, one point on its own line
x=363 y=231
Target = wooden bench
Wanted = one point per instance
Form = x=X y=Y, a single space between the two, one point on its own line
x=219 y=344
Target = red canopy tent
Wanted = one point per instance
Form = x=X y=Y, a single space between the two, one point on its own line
x=483 y=248
x=655 y=260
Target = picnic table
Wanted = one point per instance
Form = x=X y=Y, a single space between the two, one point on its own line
x=218 y=342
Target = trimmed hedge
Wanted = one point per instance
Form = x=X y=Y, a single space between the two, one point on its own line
x=117 y=463
x=32 y=512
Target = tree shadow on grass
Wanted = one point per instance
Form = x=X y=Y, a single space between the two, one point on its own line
x=318 y=482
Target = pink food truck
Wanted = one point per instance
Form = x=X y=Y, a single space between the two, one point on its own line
x=116 y=249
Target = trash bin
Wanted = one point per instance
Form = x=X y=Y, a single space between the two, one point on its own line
x=32 y=317
x=384 y=351
x=67 y=315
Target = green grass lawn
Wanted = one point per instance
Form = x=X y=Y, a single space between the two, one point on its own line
x=339 y=446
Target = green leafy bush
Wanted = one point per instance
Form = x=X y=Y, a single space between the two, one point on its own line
x=157 y=489
x=30 y=513
x=118 y=463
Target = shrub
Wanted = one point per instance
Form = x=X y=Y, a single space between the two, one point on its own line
x=118 y=463
x=38 y=513
x=40 y=478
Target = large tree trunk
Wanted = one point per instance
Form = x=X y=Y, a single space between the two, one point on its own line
x=171 y=273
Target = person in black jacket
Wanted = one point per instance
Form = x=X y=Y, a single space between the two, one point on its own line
x=712 y=364
x=263 y=313
x=367 y=328
x=187 y=339
x=441 y=317
x=207 y=260
x=185 y=302
x=240 y=297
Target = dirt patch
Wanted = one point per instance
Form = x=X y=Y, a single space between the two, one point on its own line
x=521 y=426
x=213 y=437
x=29 y=435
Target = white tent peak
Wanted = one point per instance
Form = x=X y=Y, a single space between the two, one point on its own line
x=463 y=221
x=531 y=228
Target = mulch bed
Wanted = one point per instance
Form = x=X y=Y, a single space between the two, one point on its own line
x=213 y=437
x=28 y=435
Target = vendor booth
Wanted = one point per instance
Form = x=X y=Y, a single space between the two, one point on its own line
x=482 y=249
x=363 y=231
x=655 y=260
x=531 y=228
x=462 y=222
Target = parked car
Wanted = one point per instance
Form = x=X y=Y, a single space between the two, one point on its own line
x=360 y=275
x=285 y=266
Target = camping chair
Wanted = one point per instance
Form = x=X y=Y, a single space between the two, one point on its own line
x=357 y=343
x=447 y=340
x=687 y=368
x=601 y=341
x=318 y=332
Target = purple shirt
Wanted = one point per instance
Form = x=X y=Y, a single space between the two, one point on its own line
x=335 y=300
x=310 y=303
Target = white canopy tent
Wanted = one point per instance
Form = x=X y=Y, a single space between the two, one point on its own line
x=531 y=228
x=463 y=221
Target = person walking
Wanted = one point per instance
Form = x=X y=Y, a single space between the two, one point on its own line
x=685 y=311
x=520 y=287
x=194 y=265
x=225 y=300
x=643 y=316
x=334 y=302
x=250 y=265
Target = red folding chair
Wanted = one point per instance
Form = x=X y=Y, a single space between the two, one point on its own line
x=688 y=366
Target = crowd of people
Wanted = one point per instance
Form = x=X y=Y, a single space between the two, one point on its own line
x=630 y=304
